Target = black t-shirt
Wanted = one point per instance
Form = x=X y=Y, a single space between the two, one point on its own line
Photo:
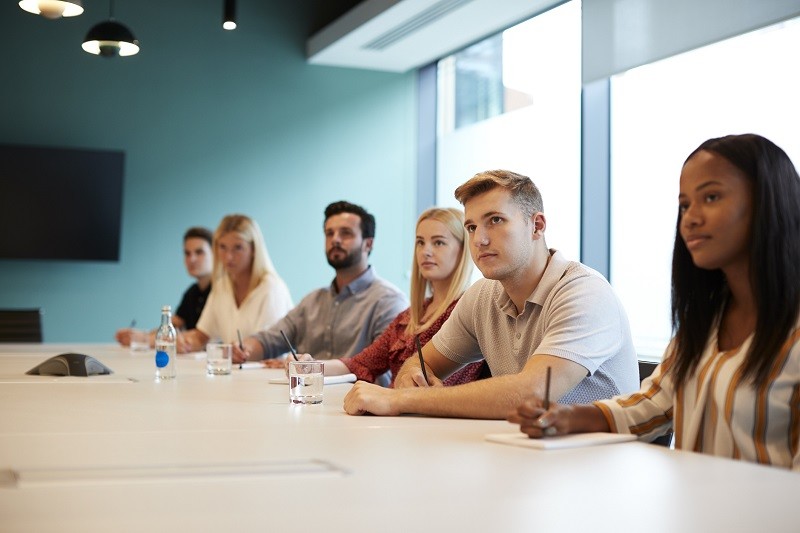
x=194 y=299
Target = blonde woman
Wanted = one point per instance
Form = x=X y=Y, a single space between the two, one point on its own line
x=440 y=274
x=247 y=294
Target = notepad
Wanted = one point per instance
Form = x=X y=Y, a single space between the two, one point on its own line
x=574 y=440
x=329 y=380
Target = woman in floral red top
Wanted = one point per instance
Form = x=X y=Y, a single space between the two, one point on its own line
x=440 y=274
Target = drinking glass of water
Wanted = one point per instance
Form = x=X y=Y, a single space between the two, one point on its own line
x=305 y=381
x=218 y=358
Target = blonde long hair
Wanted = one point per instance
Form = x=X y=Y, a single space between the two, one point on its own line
x=453 y=219
x=248 y=230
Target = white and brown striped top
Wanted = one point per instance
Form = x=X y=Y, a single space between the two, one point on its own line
x=716 y=411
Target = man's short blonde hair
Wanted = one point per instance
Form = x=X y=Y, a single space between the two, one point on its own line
x=523 y=191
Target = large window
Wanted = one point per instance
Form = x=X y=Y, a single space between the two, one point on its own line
x=512 y=101
x=659 y=113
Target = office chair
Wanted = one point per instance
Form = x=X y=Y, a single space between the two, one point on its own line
x=645 y=369
x=21 y=325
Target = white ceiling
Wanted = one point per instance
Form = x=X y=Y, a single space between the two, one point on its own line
x=400 y=35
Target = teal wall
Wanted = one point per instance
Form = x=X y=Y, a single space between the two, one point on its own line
x=211 y=122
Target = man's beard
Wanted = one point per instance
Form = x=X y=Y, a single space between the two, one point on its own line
x=347 y=261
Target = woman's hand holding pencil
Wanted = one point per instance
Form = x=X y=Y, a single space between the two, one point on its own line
x=240 y=353
x=539 y=417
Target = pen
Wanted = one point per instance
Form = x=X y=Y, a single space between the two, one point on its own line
x=241 y=344
x=289 y=344
x=421 y=360
x=546 y=403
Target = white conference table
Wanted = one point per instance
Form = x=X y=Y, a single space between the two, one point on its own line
x=220 y=453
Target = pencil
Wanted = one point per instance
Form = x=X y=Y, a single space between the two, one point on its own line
x=421 y=360
x=241 y=344
x=546 y=403
x=289 y=344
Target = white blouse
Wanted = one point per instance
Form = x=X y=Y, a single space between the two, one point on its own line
x=263 y=306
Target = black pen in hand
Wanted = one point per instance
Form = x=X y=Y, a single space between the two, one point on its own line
x=289 y=344
x=421 y=360
x=546 y=402
x=241 y=344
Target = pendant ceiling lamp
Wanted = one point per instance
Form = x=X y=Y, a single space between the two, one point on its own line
x=110 y=38
x=53 y=9
x=229 y=15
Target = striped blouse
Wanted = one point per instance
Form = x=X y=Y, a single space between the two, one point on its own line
x=715 y=411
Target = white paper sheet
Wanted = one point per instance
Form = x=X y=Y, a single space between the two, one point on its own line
x=575 y=440
x=329 y=380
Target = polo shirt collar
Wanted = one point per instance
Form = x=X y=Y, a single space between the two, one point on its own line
x=552 y=274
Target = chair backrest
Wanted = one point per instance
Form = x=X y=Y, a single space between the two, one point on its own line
x=645 y=369
x=20 y=325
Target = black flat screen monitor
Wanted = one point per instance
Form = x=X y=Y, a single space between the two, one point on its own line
x=60 y=203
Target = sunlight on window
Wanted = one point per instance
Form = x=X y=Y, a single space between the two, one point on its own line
x=661 y=112
x=513 y=102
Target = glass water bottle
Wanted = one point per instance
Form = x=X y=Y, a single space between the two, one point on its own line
x=165 y=346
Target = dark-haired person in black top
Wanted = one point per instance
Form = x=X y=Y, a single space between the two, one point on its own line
x=198 y=258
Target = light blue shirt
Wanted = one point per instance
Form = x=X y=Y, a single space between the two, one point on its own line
x=328 y=323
